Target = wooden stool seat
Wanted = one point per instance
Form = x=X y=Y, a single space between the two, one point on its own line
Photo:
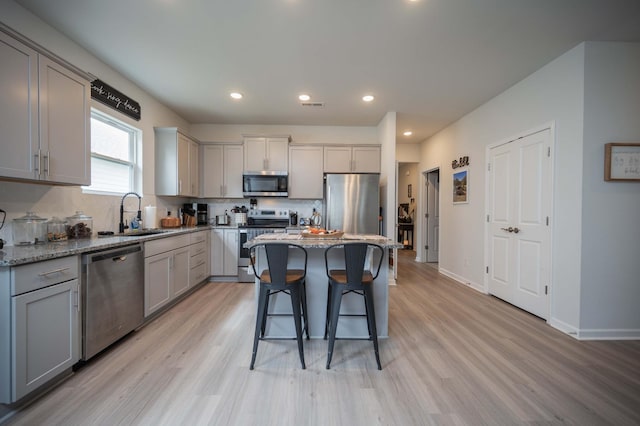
x=340 y=276
x=293 y=276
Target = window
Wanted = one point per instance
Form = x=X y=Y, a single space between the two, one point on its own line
x=114 y=155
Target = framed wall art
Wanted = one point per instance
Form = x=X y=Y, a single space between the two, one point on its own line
x=461 y=187
x=622 y=162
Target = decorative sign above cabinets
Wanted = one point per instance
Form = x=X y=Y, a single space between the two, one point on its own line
x=461 y=162
x=102 y=92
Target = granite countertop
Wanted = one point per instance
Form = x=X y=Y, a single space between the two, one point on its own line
x=18 y=255
x=323 y=242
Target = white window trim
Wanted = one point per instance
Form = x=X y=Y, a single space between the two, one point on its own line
x=136 y=155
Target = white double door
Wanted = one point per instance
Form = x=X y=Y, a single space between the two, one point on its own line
x=519 y=235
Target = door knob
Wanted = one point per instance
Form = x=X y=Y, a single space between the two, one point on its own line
x=511 y=229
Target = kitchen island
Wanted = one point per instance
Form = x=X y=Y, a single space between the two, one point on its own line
x=316 y=284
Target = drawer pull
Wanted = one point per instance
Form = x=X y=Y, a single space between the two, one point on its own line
x=55 y=271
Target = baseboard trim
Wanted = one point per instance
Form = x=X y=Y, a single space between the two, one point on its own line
x=462 y=280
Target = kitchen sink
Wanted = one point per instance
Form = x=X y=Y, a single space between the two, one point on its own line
x=142 y=233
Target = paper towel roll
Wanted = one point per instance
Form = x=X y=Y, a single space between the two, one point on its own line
x=149 y=219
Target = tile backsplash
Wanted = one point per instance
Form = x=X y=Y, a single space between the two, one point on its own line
x=17 y=198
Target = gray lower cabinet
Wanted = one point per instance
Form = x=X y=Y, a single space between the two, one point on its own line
x=42 y=339
x=199 y=269
x=224 y=252
x=172 y=266
x=166 y=271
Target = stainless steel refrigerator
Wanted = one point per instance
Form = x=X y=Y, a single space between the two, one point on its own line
x=351 y=202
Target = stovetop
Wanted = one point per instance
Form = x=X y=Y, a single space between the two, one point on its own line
x=265 y=225
x=267 y=218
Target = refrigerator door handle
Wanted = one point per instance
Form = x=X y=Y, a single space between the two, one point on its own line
x=327 y=216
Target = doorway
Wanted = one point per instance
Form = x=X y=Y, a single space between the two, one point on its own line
x=519 y=194
x=408 y=183
x=431 y=222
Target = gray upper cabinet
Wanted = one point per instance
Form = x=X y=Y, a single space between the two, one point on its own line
x=176 y=163
x=222 y=171
x=266 y=154
x=306 y=172
x=44 y=116
x=352 y=159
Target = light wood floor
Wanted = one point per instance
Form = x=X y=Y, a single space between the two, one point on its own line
x=454 y=356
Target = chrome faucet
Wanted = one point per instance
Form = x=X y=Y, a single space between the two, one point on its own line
x=122 y=226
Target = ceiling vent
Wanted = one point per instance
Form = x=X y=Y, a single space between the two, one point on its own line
x=312 y=104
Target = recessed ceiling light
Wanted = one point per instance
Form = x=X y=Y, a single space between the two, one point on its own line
x=236 y=95
x=408 y=133
x=304 y=97
x=368 y=98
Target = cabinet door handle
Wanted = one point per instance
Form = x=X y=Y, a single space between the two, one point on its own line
x=76 y=295
x=36 y=165
x=46 y=162
x=55 y=271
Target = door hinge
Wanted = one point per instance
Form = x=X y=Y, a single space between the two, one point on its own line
x=546 y=289
x=488 y=167
x=426 y=215
x=487 y=269
x=487 y=218
x=548 y=151
x=426 y=247
x=547 y=220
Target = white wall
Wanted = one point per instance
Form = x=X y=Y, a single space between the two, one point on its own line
x=17 y=198
x=554 y=94
x=407 y=152
x=610 y=271
x=299 y=134
x=387 y=137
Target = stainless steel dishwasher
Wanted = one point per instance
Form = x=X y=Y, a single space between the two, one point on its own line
x=112 y=296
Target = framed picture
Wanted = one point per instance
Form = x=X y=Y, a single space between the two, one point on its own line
x=622 y=162
x=461 y=187
x=409 y=191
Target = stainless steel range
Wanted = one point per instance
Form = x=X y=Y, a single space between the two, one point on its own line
x=259 y=221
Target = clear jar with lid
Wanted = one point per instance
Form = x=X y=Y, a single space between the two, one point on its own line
x=56 y=230
x=29 y=229
x=79 y=226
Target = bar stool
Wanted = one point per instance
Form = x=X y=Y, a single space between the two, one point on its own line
x=354 y=278
x=277 y=278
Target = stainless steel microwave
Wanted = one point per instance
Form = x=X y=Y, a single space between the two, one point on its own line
x=265 y=184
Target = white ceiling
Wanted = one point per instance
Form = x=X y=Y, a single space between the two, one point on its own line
x=431 y=61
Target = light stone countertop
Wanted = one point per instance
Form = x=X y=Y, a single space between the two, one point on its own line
x=19 y=255
x=324 y=242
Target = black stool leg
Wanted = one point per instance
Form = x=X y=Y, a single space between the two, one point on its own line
x=263 y=326
x=336 y=299
x=304 y=308
x=371 y=321
x=295 y=304
x=259 y=320
x=327 y=317
x=366 y=312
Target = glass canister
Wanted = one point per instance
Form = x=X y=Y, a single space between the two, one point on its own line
x=56 y=230
x=29 y=229
x=79 y=226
